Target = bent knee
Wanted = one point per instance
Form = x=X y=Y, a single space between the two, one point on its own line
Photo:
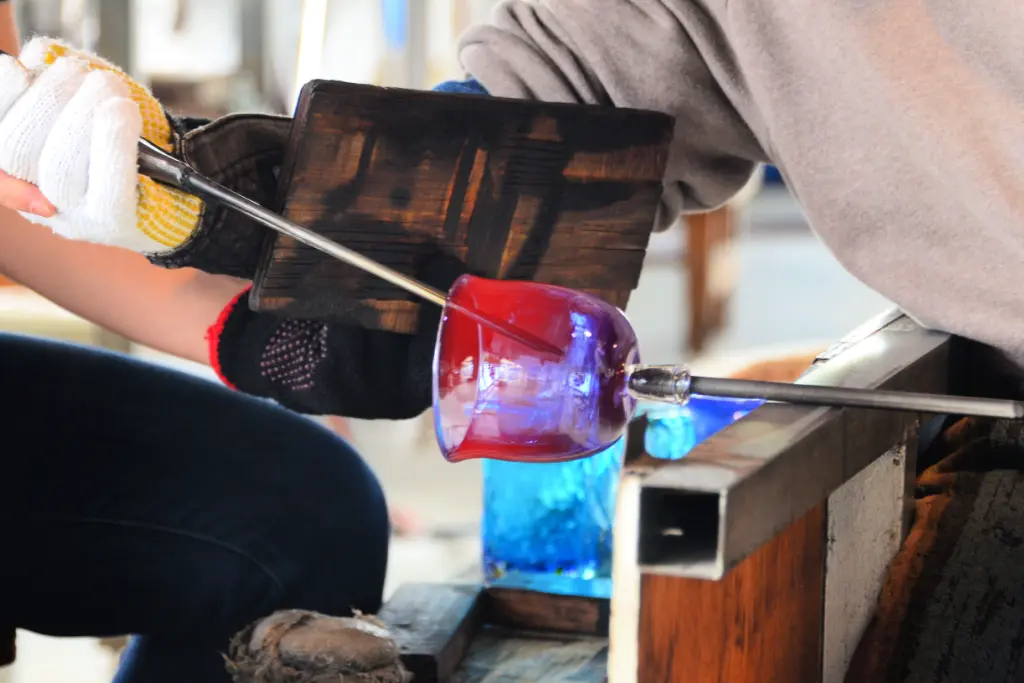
x=345 y=531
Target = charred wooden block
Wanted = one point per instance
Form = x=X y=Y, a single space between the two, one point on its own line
x=556 y=193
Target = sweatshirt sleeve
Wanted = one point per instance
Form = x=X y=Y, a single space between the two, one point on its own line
x=643 y=54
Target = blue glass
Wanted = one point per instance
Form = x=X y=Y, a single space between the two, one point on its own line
x=673 y=430
x=468 y=87
x=395 y=15
x=556 y=519
x=551 y=518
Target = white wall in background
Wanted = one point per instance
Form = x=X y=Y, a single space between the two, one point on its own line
x=442 y=34
x=208 y=44
x=480 y=10
x=354 y=39
x=282 y=23
x=353 y=42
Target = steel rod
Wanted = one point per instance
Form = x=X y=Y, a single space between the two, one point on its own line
x=161 y=166
x=207 y=189
x=809 y=394
x=661 y=383
x=674 y=384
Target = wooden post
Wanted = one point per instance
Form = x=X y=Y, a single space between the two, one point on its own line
x=709 y=273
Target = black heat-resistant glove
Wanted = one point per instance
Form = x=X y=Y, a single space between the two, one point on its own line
x=243 y=152
x=331 y=368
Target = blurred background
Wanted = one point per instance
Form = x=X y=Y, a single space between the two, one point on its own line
x=718 y=290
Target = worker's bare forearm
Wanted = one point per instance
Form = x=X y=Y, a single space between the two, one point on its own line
x=169 y=310
x=9 y=41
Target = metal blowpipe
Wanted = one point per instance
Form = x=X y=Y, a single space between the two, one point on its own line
x=674 y=384
x=164 y=168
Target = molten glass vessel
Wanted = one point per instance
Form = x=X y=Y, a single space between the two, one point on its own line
x=498 y=398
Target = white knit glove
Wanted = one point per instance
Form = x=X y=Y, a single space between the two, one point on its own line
x=70 y=124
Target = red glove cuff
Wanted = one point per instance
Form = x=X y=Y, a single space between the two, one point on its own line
x=213 y=335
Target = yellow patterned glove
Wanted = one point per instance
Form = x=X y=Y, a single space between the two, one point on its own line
x=71 y=134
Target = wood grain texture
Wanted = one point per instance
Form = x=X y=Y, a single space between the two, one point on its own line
x=762 y=622
x=562 y=194
x=498 y=656
x=434 y=625
x=535 y=611
x=453 y=632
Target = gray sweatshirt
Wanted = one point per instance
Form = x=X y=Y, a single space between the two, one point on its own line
x=898 y=124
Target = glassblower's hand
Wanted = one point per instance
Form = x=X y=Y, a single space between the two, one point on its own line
x=69 y=130
x=17 y=194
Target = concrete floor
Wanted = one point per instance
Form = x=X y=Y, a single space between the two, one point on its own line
x=791 y=295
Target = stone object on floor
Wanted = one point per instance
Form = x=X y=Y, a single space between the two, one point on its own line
x=296 y=646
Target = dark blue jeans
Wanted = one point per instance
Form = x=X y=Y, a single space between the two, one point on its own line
x=137 y=500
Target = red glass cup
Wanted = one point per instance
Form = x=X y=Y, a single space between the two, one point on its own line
x=499 y=398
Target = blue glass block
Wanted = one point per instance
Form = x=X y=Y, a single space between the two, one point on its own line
x=551 y=518
x=556 y=519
